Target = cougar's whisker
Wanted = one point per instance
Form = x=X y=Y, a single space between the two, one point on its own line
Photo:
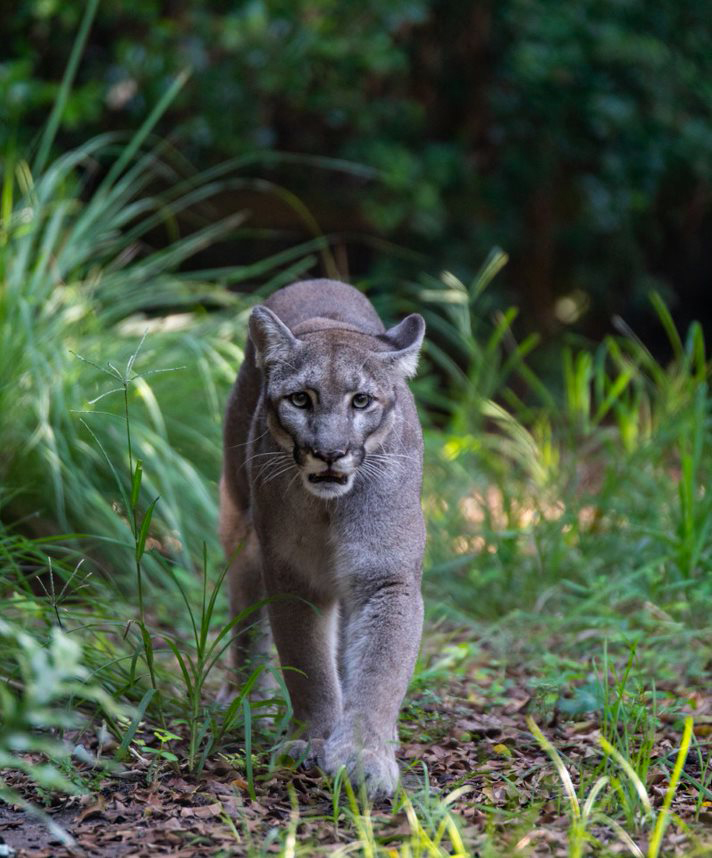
x=279 y=473
x=278 y=459
x=386 y=455
x=245 y=443
x=378 y=467
x=261 y=455
x=365 y=476
x=369 y=471
x=268 y=469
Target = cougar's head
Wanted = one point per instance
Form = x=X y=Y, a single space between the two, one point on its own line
x=331 y=393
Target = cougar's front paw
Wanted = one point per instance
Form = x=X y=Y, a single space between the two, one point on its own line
x=305 y=752
x=376 y=767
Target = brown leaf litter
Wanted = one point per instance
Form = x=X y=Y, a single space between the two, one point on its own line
x=510 y=787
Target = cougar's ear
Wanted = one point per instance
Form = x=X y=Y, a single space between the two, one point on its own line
x=272 y=339
x=406 y=338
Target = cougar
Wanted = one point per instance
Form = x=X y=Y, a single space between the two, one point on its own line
x=320 y=515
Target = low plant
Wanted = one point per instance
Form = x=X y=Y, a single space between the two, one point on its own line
x=38 y=706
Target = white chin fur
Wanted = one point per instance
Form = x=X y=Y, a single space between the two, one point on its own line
x=328 y=491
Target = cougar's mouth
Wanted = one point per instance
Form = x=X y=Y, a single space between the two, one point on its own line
x=329 y=477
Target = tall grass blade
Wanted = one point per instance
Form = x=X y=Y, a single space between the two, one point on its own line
x=664 y=814
x=143 y=530
x=129 y=152
x=122 y=750
x=249 y=771
x=561 y=769
x=630 y=772
x=667 y=322
x=60 y=103
x=621 y=833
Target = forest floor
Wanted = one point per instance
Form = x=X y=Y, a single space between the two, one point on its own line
x=468 y=753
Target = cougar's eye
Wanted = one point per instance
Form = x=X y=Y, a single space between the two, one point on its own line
x=361 y=400
x=299 y=399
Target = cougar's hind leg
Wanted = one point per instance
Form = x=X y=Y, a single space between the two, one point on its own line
x=246 y=590
x=252 y=640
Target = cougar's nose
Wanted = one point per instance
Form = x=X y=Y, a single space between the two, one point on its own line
x=328 y=456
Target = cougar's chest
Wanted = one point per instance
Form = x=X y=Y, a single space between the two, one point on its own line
x=300 y=534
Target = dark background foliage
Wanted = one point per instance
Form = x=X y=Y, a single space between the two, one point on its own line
x=574 y=135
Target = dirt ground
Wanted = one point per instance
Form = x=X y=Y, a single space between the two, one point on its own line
x=487 y=749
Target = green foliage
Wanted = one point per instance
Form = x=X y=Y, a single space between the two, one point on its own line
x=602 y=116
x=49 y=680
x=79 y=283
x=575 y=135
x=588 y=497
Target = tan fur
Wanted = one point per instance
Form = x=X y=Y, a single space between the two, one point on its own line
x=231 y=523
x=239 y=542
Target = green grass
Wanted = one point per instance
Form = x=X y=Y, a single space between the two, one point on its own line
x=570 y=533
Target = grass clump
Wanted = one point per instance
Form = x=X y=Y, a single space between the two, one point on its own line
x=592 y=496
